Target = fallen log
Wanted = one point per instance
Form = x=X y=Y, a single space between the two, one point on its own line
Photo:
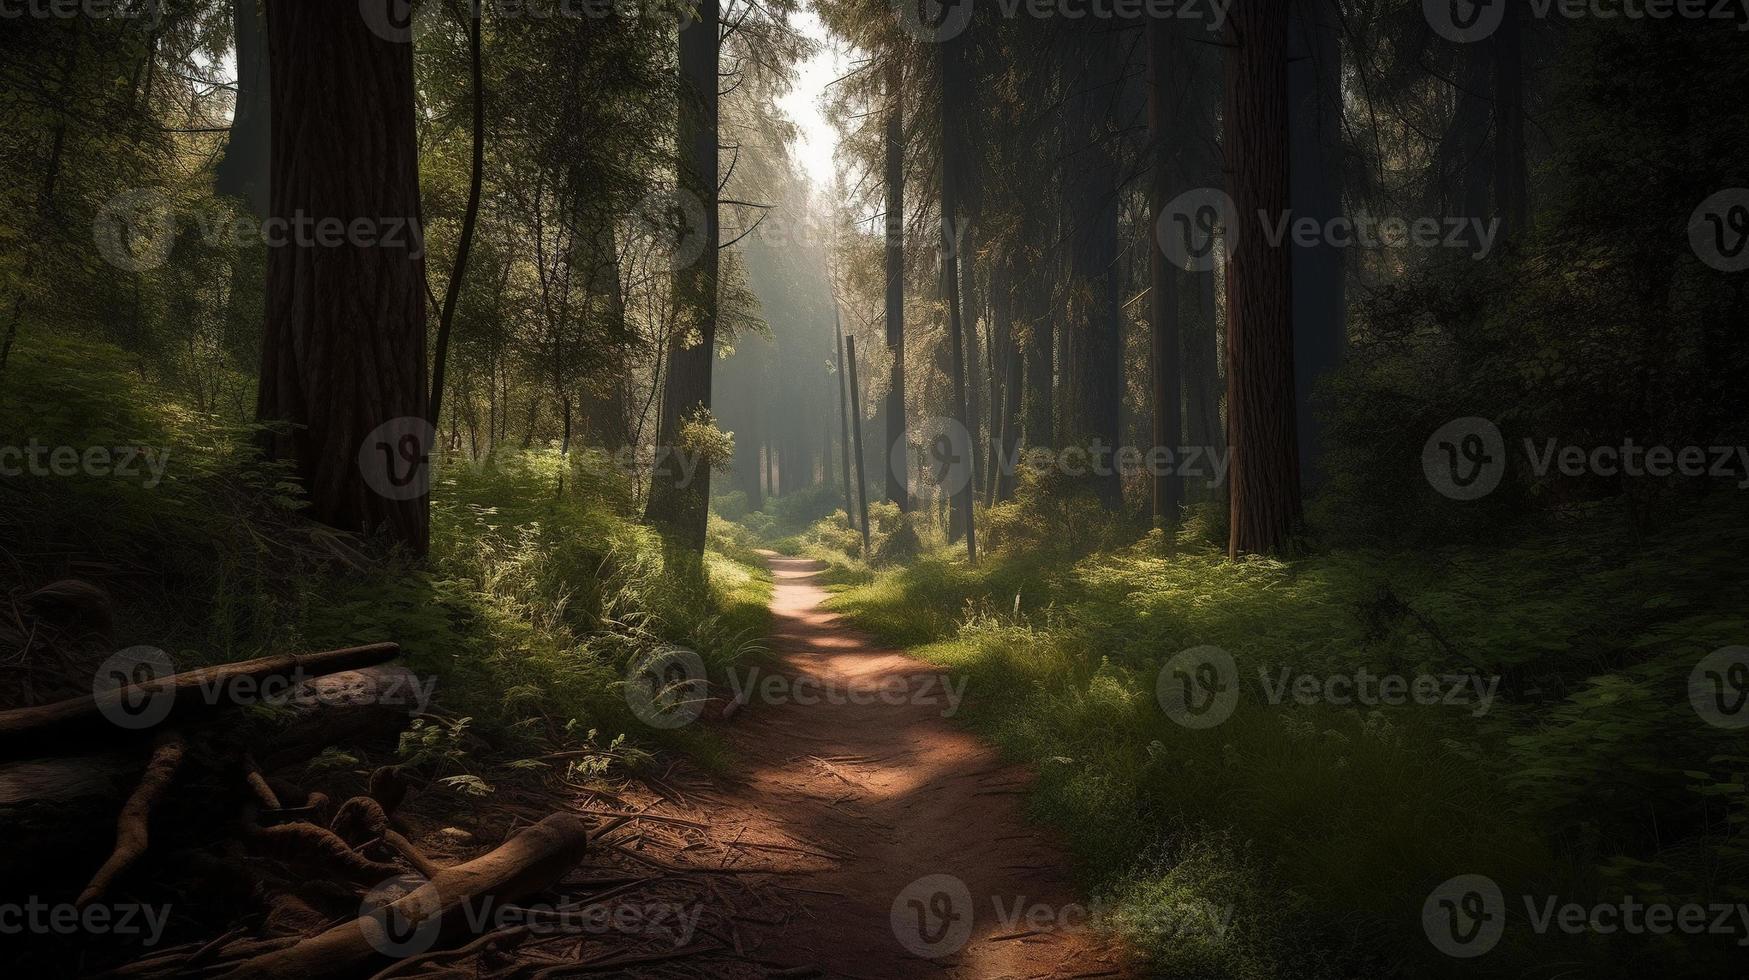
x=346 y=707
x=530 y=862
x=25 y=728
x=66 y=804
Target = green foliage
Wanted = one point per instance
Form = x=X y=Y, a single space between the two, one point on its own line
x=1324 y=827
x=531 y=606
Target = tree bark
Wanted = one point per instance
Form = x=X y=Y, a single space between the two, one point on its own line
x=681 y=507
x=1094 y=379
x=844 y=404
x=1163 y=278
x=898 y=463
x=1264 y=473
x=856 y=434
x=243 y=170
x=344 y=351
x=1511 y=197
x=1314 y=77
x=948 y=57
x=453 y=295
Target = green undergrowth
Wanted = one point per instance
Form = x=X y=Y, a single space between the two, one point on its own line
x=540 y=588
x=1314 y=833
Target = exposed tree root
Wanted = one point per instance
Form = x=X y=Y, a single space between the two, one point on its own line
x=533 y=860
x=131 y=828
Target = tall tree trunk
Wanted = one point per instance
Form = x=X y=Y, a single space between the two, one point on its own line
x=1008 y=445
x=1163 y=277
x=343 y=360
x=856 y=436
x=242 y=170
x=607 y=399
x=1264 y=474
x=949 y=57
x=1314 y=79
x=898 y=460
x=1511 y=198
x=844 y=420
x=1461 y=173
x=1040 y=344
x=1094 y=363
x=465 y=245
x=679 y=505
x=1203 y=371
x=969 y=319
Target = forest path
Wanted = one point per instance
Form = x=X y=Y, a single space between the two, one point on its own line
x=855 y=789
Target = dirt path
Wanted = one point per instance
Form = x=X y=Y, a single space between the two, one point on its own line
x=900 y=838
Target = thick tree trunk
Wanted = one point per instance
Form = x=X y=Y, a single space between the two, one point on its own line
x=1461 y=172
x=243 y=169
x=1314 y=77
x=678 y=503
x=343 y=359
x=898 y=466
x=1511 y=197
x=1203 y=374
x=1264 y=474
x=607 y=399
x=1094 y=379
x=1163 y=276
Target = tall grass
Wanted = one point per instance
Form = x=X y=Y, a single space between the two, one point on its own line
x=540 y=587
x=1320 y=828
